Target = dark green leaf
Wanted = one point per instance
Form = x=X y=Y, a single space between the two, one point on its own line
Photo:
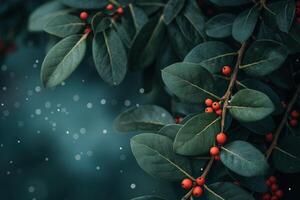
x=286 y=15
x=230 y=2
x=64 y=25
x=143 y=118
x=154 y=154
x=148 y=197
x=220 y=26
x=170 y=130
x=212 y=55
x=189 y=82
x=244 y=159
x=42 y=14
x=110 y=56
x=286 y=156
x=256 y=183
x=197 y=135
x=103 y=24
x=63 y=59
x=139 y=17
x=249 y=105
x=226 y=190
x=263 y=57
x=171 y=10
x=244 y=24
x=84 y=4
x=261 y=127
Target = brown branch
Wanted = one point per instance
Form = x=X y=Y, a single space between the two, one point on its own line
x=283 y=122
x=187 y=195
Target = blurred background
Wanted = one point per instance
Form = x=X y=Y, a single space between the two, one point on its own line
x=59 y=144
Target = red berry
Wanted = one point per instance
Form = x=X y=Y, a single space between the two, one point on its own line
x=217 y=158
x=87 y=30
x=219 y=112
x=120 y=10
x=226 y=70
x=272 y=179
x=221 y=138
x=84 y=15
x=269 y=137
x=186 y=183
x=197 y=191
x=216 y=105
x=293 y=122
x=297 y=11
x=268 y=183
x=295 y=114
x=178 y=120
x=214 y=151
x=298 y=20
x=266 y=196
x=274 y=187
x=274 y=198
x=209 y=110
x=236 y=183
x=208 y=102
x=200 y=181
x=110 y=7
x=279 y=193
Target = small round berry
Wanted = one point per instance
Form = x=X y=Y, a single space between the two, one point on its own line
x=269 y=137
x=87 y=30
x=197 y=191
x=84 y=15
x=295 y=114
x=279 y=193
x=219 y=112
x=186 y=183
x=274 y=187
x=226 y=70
x=216 y=105
x=200 y=181
x=208 y=102
x=266 y=196
x=268 y=183
x=293 y=122
x=217 y=158
x=110 y=7
x=120 y=10
x=209 y=110
x=221 y=138
x=272 y=179
x=298 y=20
x=237 y=183
x=178 y=120
x=274 y=198
x=214 y=151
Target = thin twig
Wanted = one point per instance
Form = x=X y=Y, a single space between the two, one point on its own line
x=187 y=195
x=283 y=122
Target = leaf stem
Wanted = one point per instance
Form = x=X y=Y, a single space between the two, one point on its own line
x=187 y=195
x=283 y=122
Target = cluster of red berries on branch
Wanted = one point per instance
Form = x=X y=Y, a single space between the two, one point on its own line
x=275 y=192
x=213 y=107
x=221 y=139
x=298 y=12
x=196 y=185
x=294 y=116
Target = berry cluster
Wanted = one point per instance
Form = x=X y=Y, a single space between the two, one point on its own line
x=213 y=106
x=84 y=16
x=221 y=138
x=275 y=192
x=197 y=185
x=294 y=115
x=298 y=12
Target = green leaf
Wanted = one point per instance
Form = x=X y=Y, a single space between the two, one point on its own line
x=212 y=55
x=244 y=159
x=148 y=197
x=84 y=4
x=255 y=183
x=103 y=24
x=189 y=82
x=230 y=2
x=261 y=127
x=42 y=14
x=244 y=24
x=63 y=59
x=146 y=44
x=171 y=10
x=226 y=190
x=263 y=57
x=154 y=154
x=139 y=17
x=220 y=26
x=286 y=156
x=143 y=118
x=249 y=105
x=197 y=135
x=286 y=15
x=64 y=25
x=170 y=130
x=110 y=56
